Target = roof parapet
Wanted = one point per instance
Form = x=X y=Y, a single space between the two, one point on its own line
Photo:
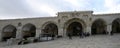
x=76 y=12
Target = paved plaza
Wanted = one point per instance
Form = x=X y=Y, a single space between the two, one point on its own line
x=94 y=41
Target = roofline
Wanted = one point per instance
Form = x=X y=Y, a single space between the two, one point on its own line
x=76 y=11
x=27 y=18
x=107 y=14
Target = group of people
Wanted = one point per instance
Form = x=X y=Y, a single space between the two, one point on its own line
x=81 y=35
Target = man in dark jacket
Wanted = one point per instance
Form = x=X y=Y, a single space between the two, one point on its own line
x=70 y=35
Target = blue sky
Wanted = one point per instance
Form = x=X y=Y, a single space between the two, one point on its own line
x=11 y=9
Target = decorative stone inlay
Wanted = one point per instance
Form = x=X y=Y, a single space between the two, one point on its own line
x=19 y=24
x=90 y=19
x=75 y=14
x=64 y=17
x=58 y=20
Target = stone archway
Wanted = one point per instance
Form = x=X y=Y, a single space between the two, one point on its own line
x=50 y=28
x=8 y=32
x=116 y=25
x=29 y=30
x=74 y=26
x=98 y=27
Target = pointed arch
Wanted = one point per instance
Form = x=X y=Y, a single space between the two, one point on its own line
x=50 y=28
x=29 y=30
x=9 y=31
x=74 y=26
x=116 y=25
x=99 y=27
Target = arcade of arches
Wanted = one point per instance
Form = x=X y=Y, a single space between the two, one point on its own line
x=74 y=27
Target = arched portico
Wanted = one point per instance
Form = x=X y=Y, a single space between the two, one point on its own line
x=116 y=25
x=8 y=32
x=74 y=26
x=28 y=30
x=98 y=27
x=50 y=28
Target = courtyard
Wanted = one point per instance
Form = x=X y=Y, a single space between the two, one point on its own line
x=94 y=41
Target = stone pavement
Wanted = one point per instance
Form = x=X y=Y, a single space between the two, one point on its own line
x=96 y=41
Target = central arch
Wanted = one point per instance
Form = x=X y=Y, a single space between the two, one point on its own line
x=98 y=27
x=50 y=28
x=29 y=30
x=74 y=26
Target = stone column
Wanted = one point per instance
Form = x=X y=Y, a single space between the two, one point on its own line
x=19 y=34
x=88 y=24
x=38 y=32
x=60 y=31
x=109 y=28
x=0 y=35
x=88 y=29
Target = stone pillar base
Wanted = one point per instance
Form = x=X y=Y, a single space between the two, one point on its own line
x=38 y=32
x=109 y=29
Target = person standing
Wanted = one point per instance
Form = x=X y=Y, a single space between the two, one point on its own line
x=111 y=33
x=81 y=34
x=69 y=35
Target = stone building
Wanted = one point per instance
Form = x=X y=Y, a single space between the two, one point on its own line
x=65 y=22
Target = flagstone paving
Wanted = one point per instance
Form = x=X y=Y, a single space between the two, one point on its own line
x=94 y=41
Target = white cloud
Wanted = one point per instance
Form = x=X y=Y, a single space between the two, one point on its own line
x=41 y=7
x=112 y=5
x=79 y=4
x=33 y=4
x=73 y=2
x=48 y=9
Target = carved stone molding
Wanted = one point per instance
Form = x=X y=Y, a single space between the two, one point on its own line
x=64 y=17
x=75 y=14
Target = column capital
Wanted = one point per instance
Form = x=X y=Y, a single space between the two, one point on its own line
x=37 y=28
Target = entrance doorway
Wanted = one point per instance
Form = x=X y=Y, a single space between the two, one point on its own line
x=74 y=28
